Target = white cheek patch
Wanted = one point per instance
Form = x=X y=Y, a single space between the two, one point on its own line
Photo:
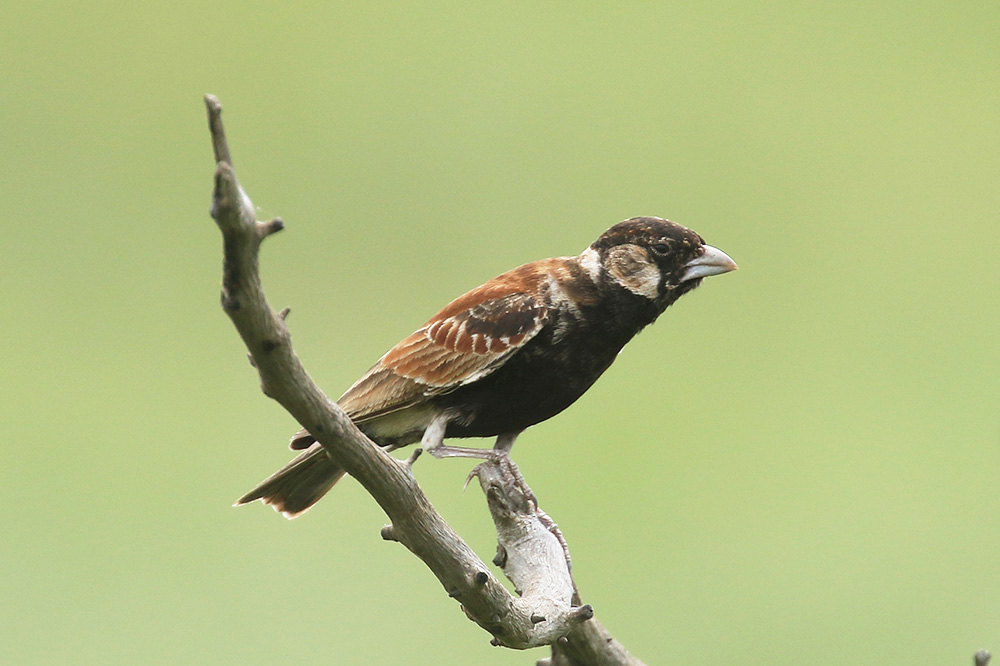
x=631 y=268
x=590 y=261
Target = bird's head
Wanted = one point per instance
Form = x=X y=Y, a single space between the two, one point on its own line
x=657 y=259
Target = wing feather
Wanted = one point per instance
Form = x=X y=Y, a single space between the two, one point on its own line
x=466 y=341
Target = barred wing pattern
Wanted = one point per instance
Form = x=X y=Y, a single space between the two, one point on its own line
x=466 y=341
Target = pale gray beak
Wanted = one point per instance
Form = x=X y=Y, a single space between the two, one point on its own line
x=711 y=261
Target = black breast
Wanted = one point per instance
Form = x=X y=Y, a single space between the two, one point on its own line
x=551 y=371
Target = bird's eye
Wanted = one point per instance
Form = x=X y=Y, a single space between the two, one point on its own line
x=660 y=248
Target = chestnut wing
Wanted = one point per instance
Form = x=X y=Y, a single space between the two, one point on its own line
x=466 y=341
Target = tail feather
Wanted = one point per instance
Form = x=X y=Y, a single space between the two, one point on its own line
x=294 y=488
x=301 y=440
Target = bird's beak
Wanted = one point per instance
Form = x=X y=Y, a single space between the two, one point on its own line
x=711 y=261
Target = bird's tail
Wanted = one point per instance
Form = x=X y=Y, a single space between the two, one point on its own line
x=294 y=488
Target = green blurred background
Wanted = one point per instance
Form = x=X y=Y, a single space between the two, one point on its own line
x=797 y=464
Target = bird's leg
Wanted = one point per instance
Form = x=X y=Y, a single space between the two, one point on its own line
x=434 y=434
x=462 y=452
x=505 y=442
x=433 y=442
x=433 y=439
x=500 y=449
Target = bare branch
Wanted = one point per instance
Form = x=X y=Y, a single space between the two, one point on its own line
x=534 y=556
x=531 y=555
x=548 y=612
x=219 y=144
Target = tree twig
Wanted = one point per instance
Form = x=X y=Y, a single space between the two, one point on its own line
x=547 y=611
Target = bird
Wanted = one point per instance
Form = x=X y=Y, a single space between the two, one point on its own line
x=511 y=353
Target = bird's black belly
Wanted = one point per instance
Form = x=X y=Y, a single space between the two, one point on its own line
x=535 y=384
x=511 y=403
